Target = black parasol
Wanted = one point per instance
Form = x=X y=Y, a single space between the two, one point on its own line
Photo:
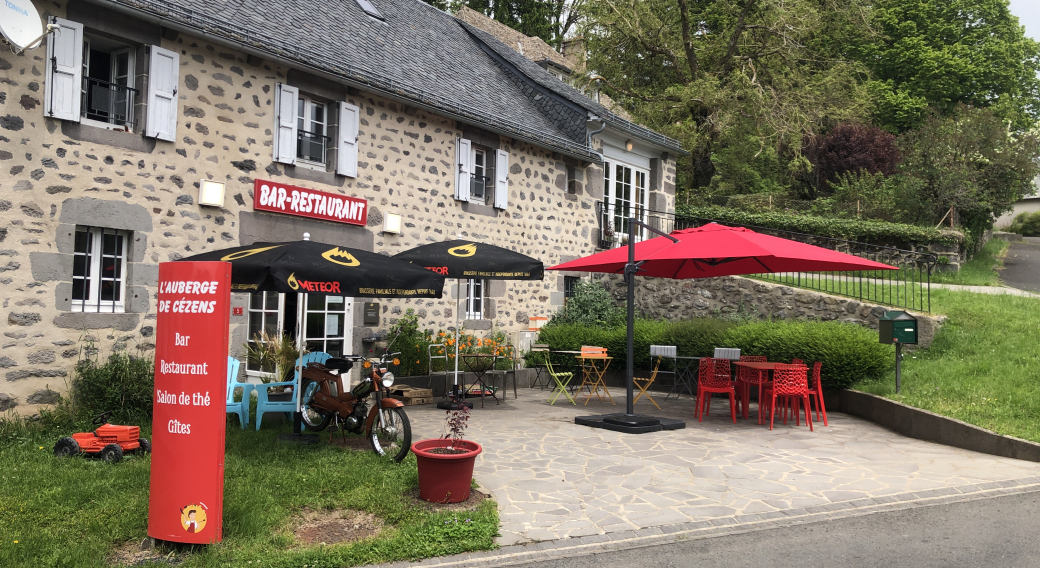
x=466 y=259
x=308 y=266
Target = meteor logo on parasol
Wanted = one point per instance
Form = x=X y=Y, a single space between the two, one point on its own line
x=312 y=286
x=463 y=251
x=349 y=259
x=245 y=253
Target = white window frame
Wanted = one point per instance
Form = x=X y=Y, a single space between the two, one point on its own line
x=478 y=159
x=279 y=310
x=614 y=201
x=131 y=75
x=306 y=119
x=346 y=332
x=93 y=304
x=476 y=295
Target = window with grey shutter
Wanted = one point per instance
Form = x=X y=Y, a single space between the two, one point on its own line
x=501 y=179
x=463 y=169
x=64 y=79
x=285 y=129
x=346 y=159
x=163 y=76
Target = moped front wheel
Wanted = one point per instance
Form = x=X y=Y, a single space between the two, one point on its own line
x=316 y=419
x=393 y=435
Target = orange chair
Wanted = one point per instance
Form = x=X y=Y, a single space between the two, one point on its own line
x=746 y=378
x=714 y=377
x=792 y=382
x=816 y=391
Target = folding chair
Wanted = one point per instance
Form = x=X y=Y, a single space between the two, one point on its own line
x=437 y=356
x=561 y=379
x=535 y=359
x=644 y=384
x=509 y=354
x=591 y=375
x=661 y=371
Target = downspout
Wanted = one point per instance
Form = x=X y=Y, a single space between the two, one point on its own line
x=589 y=135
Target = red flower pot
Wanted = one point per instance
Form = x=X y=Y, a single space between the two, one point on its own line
x=445 y=478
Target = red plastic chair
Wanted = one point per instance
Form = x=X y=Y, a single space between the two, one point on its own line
x=816 y=391
x=789 y=381
x=714 y=377
x=797 y=362
x=746 y=378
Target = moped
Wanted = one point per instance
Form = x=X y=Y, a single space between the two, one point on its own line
x=326 y=400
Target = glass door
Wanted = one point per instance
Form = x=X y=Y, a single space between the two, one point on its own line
x=330 y=324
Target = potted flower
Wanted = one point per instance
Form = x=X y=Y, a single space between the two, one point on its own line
x=446 y=464
x=275 y=355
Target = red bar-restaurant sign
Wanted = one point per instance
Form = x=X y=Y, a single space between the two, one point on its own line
x=186 y=496
x=303 y=202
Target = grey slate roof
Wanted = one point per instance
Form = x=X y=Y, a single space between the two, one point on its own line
x=418 y=53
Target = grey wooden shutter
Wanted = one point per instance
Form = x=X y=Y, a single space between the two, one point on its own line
x=501 y=179
x=285 y=98
x=464 y=170
x=64 y=79
x=346 y=158
x=163 y=76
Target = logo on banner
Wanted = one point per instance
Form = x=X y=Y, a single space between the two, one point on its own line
x=463 y=251
x=349 y=259
x=310 y=286
x=245 y=253
x=193 y=517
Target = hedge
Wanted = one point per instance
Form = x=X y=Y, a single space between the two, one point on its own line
x=848 y=352
x=877 y=232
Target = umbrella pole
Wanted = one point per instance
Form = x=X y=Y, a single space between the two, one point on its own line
x=301 y=299
x=630 y=278
x=458 y=295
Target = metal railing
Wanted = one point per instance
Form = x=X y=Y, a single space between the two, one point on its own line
x=909 y=287
x=311 y=146
x=109 y=102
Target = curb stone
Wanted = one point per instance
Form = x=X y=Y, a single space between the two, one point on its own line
x=654 y=536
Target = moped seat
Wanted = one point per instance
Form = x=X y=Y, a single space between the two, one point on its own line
x=339 y=364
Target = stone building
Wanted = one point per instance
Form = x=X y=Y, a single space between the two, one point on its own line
x=109 y=128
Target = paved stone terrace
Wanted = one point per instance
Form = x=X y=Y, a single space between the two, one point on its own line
x=556 y=480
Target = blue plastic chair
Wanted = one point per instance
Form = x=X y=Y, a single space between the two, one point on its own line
x=240 y=408
x=264 y=404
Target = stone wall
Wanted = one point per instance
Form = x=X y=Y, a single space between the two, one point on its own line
x=59 y=174
x=667 y=299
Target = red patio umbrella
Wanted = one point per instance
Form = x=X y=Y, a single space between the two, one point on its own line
x=703 y=252
x=716 y=250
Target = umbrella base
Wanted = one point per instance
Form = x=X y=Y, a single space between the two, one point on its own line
x=306 y=439
x=630 y=423
x=453 y=405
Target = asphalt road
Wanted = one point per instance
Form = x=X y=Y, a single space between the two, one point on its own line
x=996 y=532
x=1022 y=266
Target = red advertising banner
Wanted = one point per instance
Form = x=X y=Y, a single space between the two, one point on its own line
x=186 y=496
x=303 y=202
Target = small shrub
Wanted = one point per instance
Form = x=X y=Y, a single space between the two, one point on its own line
x=413 y=344
x=1026 y=224
x=122 y=384
x=591 y=304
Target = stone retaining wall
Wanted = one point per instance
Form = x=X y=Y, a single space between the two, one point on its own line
x=667 y=299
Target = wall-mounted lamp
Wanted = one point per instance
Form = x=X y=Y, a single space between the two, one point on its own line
x=628 y=145
x=211 y=193
x=392 y=223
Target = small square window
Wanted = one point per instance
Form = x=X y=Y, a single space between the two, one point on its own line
x=569 y=284
x=475 y=299
x=99 y=270
x=370 y=9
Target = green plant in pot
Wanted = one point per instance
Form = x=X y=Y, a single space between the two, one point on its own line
x=446 y=464
x=275 y=355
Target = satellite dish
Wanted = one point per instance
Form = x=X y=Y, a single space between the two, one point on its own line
x=20 y=24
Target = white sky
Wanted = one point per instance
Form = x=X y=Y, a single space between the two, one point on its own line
x=1028 y=12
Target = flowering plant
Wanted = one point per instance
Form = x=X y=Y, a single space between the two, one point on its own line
x=457 y=421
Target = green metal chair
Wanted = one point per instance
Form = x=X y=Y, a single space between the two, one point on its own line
x=562 y=380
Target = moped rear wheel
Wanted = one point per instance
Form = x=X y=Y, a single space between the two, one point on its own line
x=394 y=437
x=316 y=419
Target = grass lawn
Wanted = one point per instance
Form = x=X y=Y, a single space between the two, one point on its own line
x=979 y=271
x=76 y=512
x=982 y=367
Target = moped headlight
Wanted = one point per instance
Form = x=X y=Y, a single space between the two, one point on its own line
x=388 y=379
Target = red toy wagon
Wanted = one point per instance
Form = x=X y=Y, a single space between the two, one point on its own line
x=109 y=441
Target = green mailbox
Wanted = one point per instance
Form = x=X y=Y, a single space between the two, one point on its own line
x=898 y=327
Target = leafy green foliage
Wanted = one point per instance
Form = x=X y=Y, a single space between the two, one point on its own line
x=591 y=304
x=122 y=384
x=945 y=53
x=848 y=352
x=1026 y=224
x=866 y=231
x=413 y=344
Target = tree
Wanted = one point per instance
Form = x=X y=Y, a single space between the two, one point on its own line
x=970 y=162
x=740 y=82
x=550 y=20
x=852 y=148
x=942 y=53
